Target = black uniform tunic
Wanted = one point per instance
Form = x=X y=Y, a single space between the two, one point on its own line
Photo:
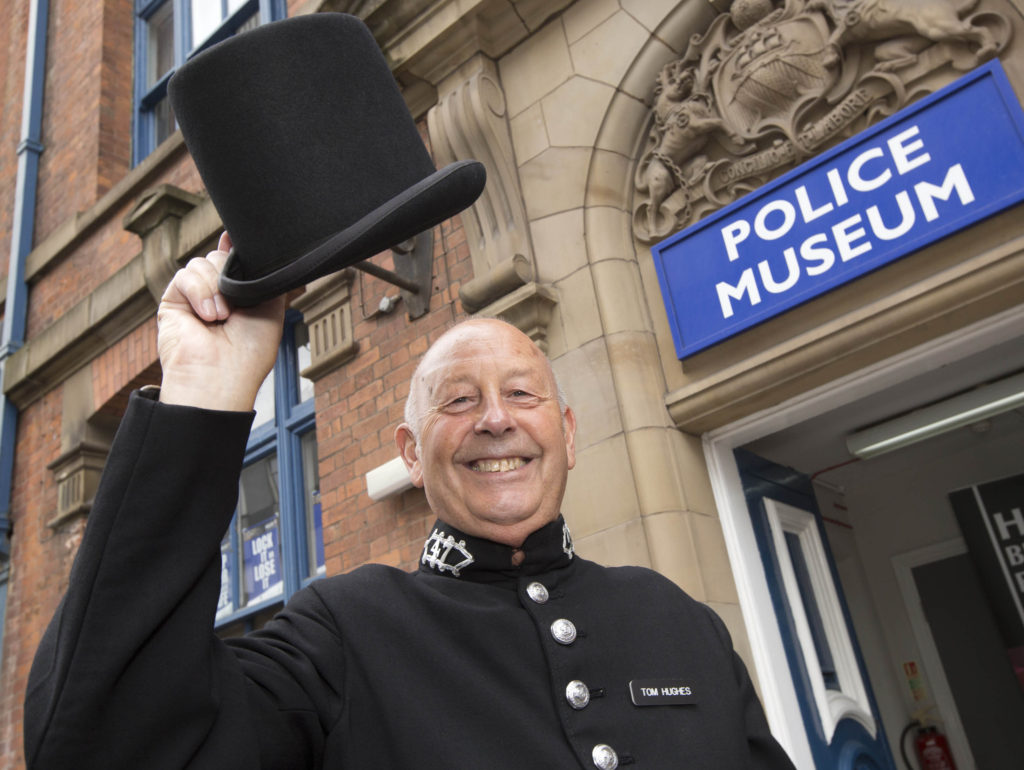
x=484 y=658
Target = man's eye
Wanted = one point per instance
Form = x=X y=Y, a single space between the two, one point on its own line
x=523 y=396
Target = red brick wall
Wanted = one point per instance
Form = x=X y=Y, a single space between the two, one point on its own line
x=12 y=83
x=40 y=560
x=87 y=137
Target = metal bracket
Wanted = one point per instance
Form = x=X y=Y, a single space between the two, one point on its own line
x=414 y=271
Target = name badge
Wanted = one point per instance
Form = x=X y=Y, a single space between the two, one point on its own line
x=661 y=692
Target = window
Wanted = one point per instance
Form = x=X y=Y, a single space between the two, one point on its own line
x=274 y=545
x=167 y=33
x=823 y=637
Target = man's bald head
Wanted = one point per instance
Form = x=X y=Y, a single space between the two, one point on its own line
x=417 y=400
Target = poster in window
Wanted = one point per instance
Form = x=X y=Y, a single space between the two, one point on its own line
x=261 y=555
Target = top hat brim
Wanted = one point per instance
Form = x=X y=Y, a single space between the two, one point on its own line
x=430 y=201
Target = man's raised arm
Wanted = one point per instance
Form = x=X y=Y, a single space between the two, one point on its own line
x=129 y=673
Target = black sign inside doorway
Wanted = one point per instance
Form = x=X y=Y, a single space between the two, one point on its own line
x=991 y=517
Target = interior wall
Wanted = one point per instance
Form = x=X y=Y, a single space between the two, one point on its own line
x=895 y=504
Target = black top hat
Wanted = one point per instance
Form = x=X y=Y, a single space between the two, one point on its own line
x=309 y=152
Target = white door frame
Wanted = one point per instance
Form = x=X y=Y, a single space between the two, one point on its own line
x=777 y=691
x=903 y=565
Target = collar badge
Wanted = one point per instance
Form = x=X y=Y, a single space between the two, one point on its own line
x=441 y=552
x=567 y=540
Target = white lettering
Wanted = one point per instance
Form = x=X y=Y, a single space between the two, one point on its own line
x=1003 y=525
x=859 y=183
x=883 y=231
x=807 y=211
x=955 y=180
x=732 y=235
x=901 y=152
x=262 y=544
x=746 y=285
x=788 y=218
x=790 y=281
x=676 y=691
x=1019 y=577
x=810 y=252
x=835 y=181
x=1014 y=554
x=845 y=238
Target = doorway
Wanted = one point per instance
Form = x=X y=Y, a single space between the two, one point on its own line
x=874 y=510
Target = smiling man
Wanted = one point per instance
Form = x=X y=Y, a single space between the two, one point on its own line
x=503 y=650
x=486 y=434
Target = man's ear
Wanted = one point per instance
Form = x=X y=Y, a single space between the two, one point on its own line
x=569 y=428
x=407 y=448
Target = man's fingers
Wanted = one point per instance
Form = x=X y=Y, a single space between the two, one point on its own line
x=196 y=283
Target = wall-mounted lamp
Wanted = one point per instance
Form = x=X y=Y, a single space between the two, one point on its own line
x=388 y=479
x=964 y=409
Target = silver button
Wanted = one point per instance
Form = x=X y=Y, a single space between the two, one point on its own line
x=605 y=757
x=578 y=694
x=563 y=631
x=537 y=592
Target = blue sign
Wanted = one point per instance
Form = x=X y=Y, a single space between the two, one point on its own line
x=261 y=556
x=935 y=167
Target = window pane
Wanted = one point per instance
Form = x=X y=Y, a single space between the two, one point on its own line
x=234 y=5
x=206 y=17
x=259 y=520
x=163 y=119
x=813 y=613
x=160 y=47
x=251 y=23
x=314 y=518
x=265 y=402
x=304 y=358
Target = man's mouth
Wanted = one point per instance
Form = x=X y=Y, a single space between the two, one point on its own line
x=500 y=465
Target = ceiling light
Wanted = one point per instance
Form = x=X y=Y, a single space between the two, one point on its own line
x=964 y=409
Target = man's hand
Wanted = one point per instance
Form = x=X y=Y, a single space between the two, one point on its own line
x=214 y=356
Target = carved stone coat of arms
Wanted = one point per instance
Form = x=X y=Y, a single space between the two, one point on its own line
x=771 y=83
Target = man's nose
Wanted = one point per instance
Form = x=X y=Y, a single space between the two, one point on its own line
x=495 y=417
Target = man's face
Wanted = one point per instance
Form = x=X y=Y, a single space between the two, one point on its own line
x=494 y=451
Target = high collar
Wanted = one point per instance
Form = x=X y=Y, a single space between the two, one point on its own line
x=454 y=554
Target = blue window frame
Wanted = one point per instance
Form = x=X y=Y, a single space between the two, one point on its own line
x=274 y=545
x=167 y=33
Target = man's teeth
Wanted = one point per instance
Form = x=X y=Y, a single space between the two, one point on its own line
x=499 y=466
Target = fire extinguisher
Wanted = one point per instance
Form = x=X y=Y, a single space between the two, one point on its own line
x=931 y=747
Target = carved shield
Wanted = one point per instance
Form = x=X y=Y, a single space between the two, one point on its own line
x=769 y=71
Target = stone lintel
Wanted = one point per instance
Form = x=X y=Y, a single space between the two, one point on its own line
x=529 y=309
x=327 y=309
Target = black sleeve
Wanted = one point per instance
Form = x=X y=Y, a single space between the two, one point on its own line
x=765 y=751
x=129 y=673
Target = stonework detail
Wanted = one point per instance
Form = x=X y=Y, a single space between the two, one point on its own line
x=471 y=121
x=156 y=219
x=772 y=83
x=327 y=310
x=529 y=308
x=77 y=474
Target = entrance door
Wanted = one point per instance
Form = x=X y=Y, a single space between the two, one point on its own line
x=838 y=709
x=973 y=656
